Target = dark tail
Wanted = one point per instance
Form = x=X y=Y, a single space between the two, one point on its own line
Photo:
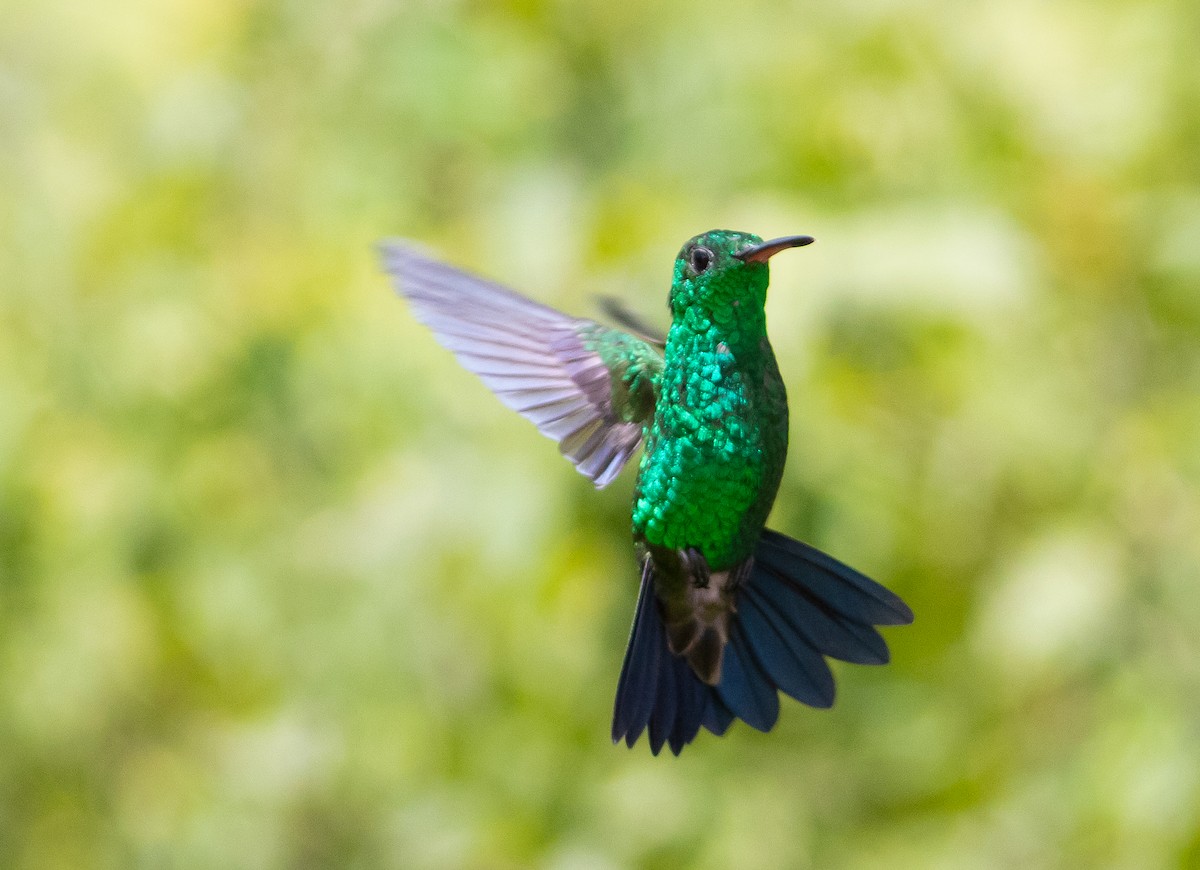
x=798 y=606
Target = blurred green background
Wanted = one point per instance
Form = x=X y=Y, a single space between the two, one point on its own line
x=281 y=586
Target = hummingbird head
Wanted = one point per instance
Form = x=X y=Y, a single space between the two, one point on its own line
x=724 y=268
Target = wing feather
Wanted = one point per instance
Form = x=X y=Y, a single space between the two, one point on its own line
x=558 y=371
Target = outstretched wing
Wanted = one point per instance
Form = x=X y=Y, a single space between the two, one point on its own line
x=587 y=386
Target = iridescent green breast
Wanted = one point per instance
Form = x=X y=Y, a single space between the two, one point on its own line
x=716 y=446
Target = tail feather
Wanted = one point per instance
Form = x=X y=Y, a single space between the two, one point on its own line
x=745 y=686
x=662 y=720
x=804 y=613
x=690 y=708
x=717 y=717
x=657 y=690
x=839 y=586
x=796 y=607
x=640 y=671
x=796 y=667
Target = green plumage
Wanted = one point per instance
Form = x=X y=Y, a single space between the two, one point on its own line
x=714 y=452
x=634 y=369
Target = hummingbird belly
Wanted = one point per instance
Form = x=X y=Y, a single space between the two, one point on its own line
x=711 y=467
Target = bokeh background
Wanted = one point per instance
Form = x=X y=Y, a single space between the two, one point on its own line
x=283 y=587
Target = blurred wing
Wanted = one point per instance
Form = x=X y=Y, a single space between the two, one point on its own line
x=588 y=387
x=622 y=315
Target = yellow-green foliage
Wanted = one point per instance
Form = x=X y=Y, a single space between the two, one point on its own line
x=282 y=586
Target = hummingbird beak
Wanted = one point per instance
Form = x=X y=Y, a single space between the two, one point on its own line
x=767 y=250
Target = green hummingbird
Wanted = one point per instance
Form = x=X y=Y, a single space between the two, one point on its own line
x=729 y=612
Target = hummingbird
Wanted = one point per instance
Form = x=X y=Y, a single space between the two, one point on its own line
x=729 y=613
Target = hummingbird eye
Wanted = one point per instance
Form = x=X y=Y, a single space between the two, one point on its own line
x=701 y=259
